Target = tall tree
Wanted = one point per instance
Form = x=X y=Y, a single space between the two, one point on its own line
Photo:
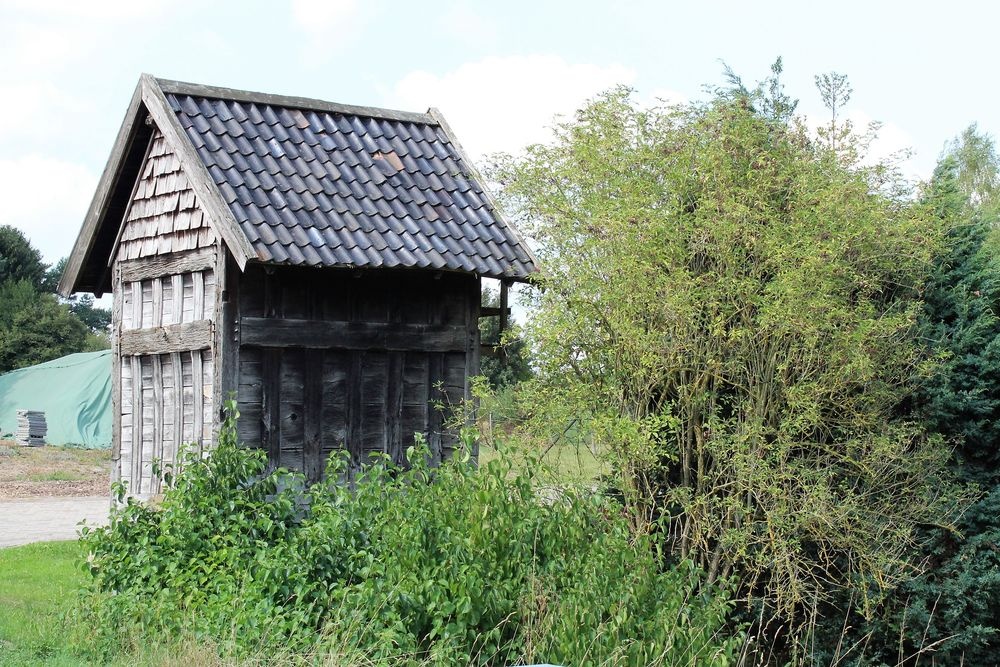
x=729 y=307
x=35 y=326
x=952 y=610
x=19 y=260
x=42 y=331
x=977 y=170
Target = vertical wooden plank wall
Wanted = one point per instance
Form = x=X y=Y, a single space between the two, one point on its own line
x=304 y=393
x=165 y=281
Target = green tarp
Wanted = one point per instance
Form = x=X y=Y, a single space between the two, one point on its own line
x=73 y=391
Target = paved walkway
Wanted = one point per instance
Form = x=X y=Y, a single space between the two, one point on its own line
x=26 y=520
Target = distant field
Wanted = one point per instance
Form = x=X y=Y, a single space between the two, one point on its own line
x=53 y=471
x=565 y=463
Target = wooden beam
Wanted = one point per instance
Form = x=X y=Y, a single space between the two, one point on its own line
x=312 y=415
x=116 y=378
x=227 y=338
x=198 y=390
x=177 y=367
x=435 y=396
x=135 y=474
x=167 y=339
x=84 y=245
x=273 y=332
x=219 y=215
x=198 y=90
x=353 y=437
x=155 y=481
x=504 y=310
x=472 y=357
x=392 y=409
x=270 y=437
x=167 y=265
x=491 y=311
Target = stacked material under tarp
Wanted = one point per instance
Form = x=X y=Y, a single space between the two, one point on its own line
x=31 y=428
x=74 y=393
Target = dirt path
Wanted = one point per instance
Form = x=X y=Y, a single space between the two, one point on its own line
x=26 y=520
x=53 y=471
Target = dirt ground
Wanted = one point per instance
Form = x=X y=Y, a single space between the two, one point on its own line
x=32 y=472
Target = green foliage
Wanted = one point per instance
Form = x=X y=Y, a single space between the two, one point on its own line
x=977 y=172
x=97 y=320
x=34 y=325
x=729 y=306
x=19 y=260
x=961 y=325
x=451 y=565
x=952 y=609
x=42 y=330
x=512 y=362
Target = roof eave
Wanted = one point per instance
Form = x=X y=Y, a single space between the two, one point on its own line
x=82 y=248
x=150 y=99
x=305 y=103
x=439 y=119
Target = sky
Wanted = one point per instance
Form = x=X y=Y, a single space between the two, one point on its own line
x=500 y=71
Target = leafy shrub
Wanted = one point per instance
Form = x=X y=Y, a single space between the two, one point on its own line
x=447 y=565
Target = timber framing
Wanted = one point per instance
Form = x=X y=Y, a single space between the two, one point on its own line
x=275 y=332
x=319 y=263
x=166 y=265
x=167 y=339
x=218 y=92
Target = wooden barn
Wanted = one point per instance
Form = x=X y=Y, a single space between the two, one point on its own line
x=321 y=261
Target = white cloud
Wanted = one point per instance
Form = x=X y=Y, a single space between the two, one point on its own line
x=41 y=110
x=328 y=26
x=47 y=199
x=36 y=46
x=503 y=104
x=890 y=143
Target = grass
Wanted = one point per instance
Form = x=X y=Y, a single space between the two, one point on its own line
x=55 y=476
x=38 y=584
x=566 y=464
x=38 y=592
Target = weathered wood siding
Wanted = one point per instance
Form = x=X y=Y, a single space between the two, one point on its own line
x=164 y=216
x=166 y=304
x=332 y=360
x=166 y=400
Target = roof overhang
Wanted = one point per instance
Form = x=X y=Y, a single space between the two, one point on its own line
x=88 y=266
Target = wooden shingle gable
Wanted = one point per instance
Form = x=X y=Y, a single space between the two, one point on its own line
x=88 y=266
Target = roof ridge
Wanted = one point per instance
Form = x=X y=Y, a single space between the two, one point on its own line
x=169 y=86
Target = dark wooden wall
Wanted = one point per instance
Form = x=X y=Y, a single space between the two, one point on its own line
x=332 y=359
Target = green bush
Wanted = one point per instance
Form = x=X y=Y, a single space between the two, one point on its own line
x=448 y=565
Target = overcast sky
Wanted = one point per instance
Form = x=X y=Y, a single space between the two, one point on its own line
x=498 y=70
